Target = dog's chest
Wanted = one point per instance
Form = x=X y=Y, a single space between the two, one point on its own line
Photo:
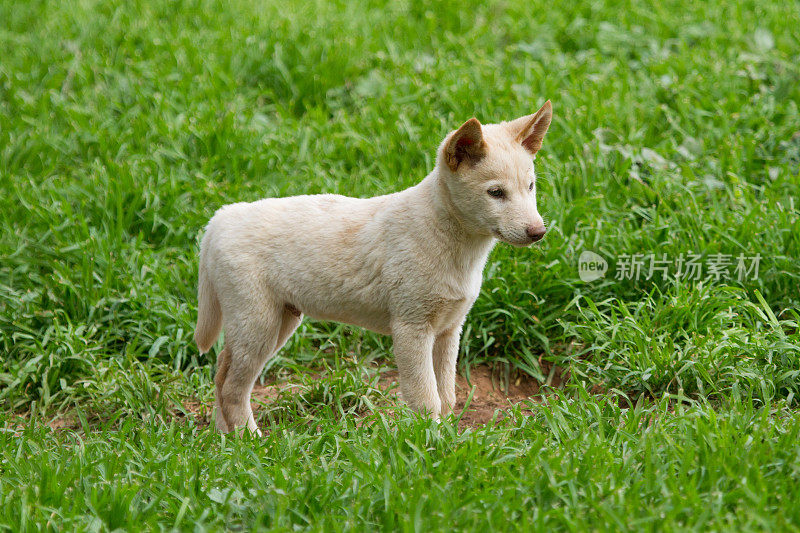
x=447 y=301
x=449 y=294
x=445 y=313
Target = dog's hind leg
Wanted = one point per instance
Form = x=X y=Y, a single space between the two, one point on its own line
x=251 y=335
x=223 y=362
x=253 y=341
x=291 y=319
x=289 y=322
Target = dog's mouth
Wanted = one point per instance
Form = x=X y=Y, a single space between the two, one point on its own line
x=519 y=244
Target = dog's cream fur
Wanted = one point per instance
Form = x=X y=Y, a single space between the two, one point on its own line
x=408 y=264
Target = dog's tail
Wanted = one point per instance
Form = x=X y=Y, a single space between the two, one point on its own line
x=209 y=313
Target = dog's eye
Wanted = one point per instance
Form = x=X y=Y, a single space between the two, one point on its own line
x=496 y=192
x=530 y=187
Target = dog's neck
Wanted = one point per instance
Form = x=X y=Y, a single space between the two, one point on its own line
x=466 y=245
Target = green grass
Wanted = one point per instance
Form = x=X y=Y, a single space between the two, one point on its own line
x=124 y=126
x=576 y=464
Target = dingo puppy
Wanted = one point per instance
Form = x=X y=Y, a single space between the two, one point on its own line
x=407 y=264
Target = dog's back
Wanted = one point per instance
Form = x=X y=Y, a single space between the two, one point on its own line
x=324 y=255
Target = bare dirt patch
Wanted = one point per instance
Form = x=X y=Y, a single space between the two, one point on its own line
x=491 y=400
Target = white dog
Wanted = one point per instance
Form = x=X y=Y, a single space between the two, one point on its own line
x=408 y=264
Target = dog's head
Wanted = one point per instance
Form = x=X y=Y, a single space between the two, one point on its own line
x=488 y=173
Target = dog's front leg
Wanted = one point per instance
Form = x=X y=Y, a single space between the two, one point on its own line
x=445 y=355
x=413 y=347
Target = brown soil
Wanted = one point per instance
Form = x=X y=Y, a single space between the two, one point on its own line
x=490 y=399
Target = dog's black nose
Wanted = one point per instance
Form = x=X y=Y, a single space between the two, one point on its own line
x=536 y=232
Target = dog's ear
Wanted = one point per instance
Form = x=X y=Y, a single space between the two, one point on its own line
x=529 y=130
x=465 y=145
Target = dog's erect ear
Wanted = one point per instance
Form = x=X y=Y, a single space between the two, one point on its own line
x=466 y=145
x=530 y=130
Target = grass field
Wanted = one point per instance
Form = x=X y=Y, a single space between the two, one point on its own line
x=125 y=125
